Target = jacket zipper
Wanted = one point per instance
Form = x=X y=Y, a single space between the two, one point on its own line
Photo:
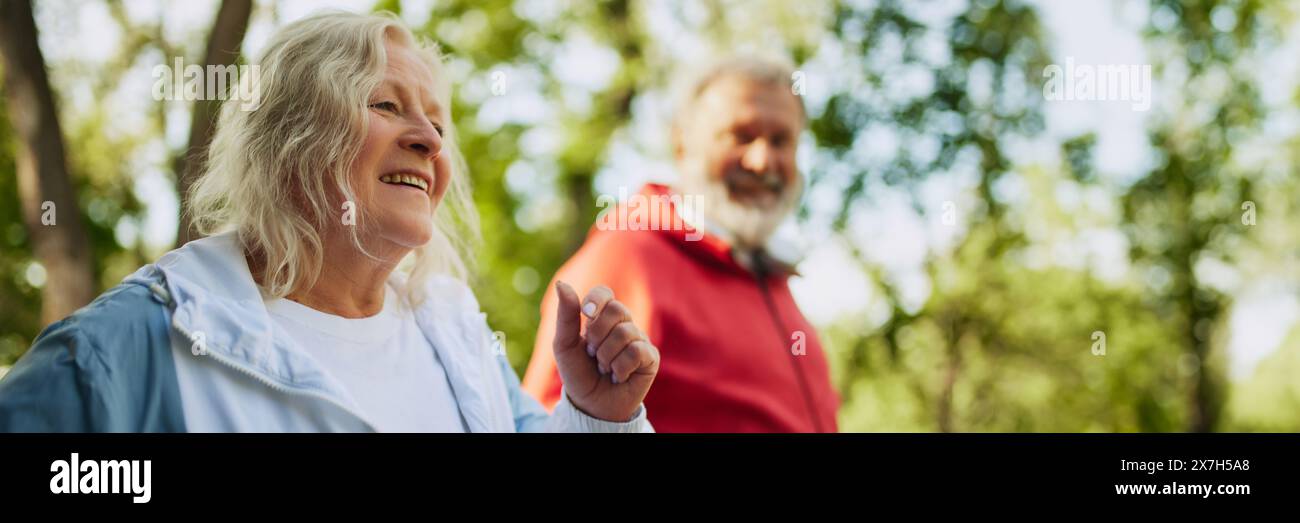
x=761 y=278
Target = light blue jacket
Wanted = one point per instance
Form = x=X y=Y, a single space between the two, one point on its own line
x=186 y=344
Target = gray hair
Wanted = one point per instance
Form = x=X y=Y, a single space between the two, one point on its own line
x=762 y=69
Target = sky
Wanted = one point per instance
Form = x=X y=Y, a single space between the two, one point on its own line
x=1101 y=32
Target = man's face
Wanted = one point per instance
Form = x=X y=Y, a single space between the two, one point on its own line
x=742 y=136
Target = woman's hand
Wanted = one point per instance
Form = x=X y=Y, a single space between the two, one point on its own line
x=608 y=369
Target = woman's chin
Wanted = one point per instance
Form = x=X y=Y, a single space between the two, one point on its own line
x=411 y=236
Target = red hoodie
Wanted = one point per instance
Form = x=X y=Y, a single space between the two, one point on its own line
x=736 y=353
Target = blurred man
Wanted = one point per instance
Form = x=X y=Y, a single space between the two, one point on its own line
x=694 y=266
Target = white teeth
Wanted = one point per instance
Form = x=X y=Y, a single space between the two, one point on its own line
x=405 y=179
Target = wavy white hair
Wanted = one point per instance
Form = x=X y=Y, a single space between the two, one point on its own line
x=277 y=174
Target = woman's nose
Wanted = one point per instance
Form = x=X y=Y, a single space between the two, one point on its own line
x=423 y=140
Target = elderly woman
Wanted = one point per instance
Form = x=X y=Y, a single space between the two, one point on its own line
x=330 y=295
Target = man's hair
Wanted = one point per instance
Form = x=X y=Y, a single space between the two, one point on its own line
x=762 y=69
x=279 y=173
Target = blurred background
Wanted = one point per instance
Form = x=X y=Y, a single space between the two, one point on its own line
x=968 y=242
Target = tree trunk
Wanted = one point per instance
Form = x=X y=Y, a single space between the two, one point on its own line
x=223 y=49
x=49 y=204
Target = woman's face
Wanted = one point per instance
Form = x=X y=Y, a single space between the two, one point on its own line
x=400 y=174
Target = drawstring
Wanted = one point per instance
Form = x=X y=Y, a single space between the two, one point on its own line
x=160 y=293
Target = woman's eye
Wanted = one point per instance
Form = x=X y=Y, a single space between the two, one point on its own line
x=387 y=106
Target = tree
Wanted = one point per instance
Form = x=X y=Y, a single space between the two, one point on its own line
x=46 y=191
x=1187 y=209
x=223 y=49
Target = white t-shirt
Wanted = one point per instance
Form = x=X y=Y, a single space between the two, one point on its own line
x=384 y=361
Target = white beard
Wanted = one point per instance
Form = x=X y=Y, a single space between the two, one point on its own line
x=750 y=225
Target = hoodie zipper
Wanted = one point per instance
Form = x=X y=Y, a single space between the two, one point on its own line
x=269 y=383
x=761 y=277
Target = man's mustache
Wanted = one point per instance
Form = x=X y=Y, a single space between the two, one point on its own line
x=770 y=180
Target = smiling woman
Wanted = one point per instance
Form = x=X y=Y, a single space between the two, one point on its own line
x=282 y=174
x=331 y=293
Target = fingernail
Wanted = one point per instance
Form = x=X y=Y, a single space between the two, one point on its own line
x=589 y=309
x=591 y=350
